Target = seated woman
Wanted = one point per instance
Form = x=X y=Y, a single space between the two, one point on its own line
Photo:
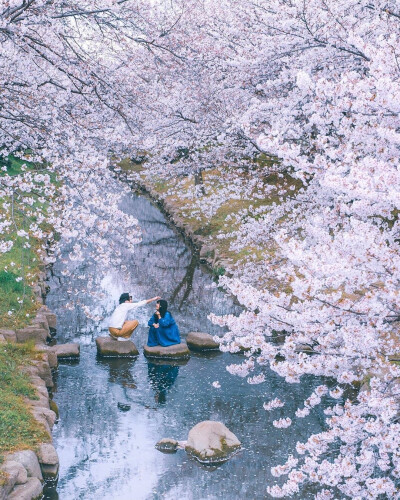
x=163 y=329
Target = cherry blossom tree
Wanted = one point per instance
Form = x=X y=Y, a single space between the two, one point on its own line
x=194 y=84
x=328 y=110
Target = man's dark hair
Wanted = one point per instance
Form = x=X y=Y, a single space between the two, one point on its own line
x=124 y=297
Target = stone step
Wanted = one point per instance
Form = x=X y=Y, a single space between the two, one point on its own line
x=199 y=341
x=177 y=351
x=110 y=348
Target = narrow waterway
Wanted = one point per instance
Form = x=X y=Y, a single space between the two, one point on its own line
x=112 y=412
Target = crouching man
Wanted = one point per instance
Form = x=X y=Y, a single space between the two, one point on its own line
x=119 y=328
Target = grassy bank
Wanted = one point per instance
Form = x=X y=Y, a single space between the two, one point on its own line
x=20 y=266
x=18 y=429
x=19 y=272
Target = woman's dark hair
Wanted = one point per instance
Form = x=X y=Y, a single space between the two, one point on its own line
x=163 y=307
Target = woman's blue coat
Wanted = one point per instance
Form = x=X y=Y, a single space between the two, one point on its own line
x=166 y=334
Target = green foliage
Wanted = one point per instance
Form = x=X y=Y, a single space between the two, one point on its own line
x=9 y=284
x=219 y=271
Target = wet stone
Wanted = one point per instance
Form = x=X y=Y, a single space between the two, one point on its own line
x=50 y=472
x=54 y=407
x=167 y=445
x=199 y=341
x=306 y=348
x=67 y=351
x=123 y=407
x=177 y=351
x=110 y=348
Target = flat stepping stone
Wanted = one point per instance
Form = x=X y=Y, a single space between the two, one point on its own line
x=67 y=350
x=177 y=351
x=110 y=348
x=199 y=341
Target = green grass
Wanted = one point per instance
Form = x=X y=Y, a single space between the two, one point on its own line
x=17 y=302
x=18 y=428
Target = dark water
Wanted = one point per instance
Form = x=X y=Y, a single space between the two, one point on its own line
x=112 y=412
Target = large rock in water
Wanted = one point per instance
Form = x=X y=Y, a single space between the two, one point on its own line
x=211 y=442
x=110 y=348
x=67 y=350
x=198 y=341
x=177 y=351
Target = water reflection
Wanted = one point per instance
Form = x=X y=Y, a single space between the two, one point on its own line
x=162 y=377
x=120 y=371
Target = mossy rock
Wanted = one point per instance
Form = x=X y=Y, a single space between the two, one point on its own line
x=211 y=442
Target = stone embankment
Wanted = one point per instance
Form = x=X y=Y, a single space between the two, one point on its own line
x=25 y=471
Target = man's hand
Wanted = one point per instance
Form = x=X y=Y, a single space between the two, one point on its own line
x=153 y=299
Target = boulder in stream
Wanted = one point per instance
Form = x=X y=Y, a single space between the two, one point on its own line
x=110 y=348
x=199 y=341
x=177 y=351
x=67 y=351
x=211 y=442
